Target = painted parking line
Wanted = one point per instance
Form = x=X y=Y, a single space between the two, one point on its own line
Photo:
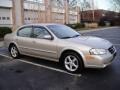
x=6 y=56
x=47 y=67
x=51 y=68
x=115 y=38
x=116 y=44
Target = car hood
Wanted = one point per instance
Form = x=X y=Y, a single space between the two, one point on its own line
x=93 y=42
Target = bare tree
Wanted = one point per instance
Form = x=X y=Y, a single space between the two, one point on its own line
x=116 y=5
x=71 y=3
x=84 y=5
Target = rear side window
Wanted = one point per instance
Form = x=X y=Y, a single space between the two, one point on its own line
x=25 y=32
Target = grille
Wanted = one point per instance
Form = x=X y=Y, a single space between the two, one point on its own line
x=111 y=50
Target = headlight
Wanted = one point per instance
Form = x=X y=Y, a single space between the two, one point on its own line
x=98 y=51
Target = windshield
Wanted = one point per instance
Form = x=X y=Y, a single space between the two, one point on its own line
x=63 y=32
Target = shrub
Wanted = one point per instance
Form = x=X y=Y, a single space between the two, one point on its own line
x=4 y=31
x=101 y=23
x=76 y=26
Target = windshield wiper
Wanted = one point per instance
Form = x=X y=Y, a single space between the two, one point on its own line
x=70 y=37
x=66 y=37
x=76 y=35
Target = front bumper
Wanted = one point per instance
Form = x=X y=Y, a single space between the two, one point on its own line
x=99 y=61
x=108 y=61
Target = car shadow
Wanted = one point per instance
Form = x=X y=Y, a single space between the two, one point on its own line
x=56 y=65
x=44 y=62
x=93 y=72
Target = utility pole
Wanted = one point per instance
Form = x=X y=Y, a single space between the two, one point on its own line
x=17 y=13
x=93 y=11
x=38 y=11
x=48 y=11
x=66 y=8
x=78 y=14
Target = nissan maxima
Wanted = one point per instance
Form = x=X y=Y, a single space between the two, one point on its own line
x=62 y=44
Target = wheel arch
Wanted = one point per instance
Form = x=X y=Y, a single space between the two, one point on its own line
x=79 y=53
x=12 y=43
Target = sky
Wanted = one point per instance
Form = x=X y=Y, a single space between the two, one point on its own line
x=103 y=4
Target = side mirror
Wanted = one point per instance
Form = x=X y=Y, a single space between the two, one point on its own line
x=48 y=37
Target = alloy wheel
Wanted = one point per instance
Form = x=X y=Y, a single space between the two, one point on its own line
x=71 y=63
x=14 y=52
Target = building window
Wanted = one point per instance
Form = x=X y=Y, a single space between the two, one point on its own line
x=0 y=18
x=3 y=18
x=8 y=18
x=59 y=16
x=28 y=18
x=25 y=18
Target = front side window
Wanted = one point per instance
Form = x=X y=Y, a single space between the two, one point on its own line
x=40 y=32
x=25 y=32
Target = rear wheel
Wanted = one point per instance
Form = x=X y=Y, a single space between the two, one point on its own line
x=14 y=51
x=72 y=62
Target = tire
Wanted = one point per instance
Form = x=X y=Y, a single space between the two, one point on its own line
x=72 y=62
x=14 y=51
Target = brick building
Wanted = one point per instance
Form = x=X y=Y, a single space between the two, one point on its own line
x=42 y=12
x=87 y=16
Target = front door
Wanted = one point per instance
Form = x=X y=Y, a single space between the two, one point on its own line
x=42 y=46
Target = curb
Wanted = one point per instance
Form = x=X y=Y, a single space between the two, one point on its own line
x=91 y=30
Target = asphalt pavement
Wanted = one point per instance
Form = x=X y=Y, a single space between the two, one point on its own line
x=29 y=73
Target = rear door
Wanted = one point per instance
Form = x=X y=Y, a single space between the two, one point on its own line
x=24 y=40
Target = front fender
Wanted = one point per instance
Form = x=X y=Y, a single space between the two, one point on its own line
x=73 y=49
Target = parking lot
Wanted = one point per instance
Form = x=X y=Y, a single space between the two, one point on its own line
x=29 y=73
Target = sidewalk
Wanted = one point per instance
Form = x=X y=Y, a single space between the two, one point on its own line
x=91 y=30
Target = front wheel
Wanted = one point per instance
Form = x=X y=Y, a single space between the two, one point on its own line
x=14 y=51
x=72 y=62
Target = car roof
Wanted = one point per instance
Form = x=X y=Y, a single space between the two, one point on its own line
x=41 y=24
